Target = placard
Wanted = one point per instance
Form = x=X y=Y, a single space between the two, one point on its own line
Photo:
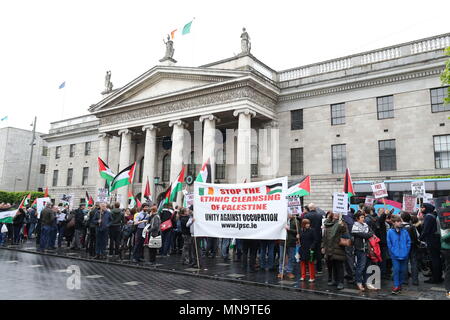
x=102 y=195
x=418 y=188
x=369 y=201
x=294 y=205
x=256 y=210
x=409 y=203
x=340 y=202
x=188 y=199
x=40 y=205
x=379 y=190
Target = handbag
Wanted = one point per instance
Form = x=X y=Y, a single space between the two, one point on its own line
x=166 y=225
x=154 y=242
x=345 y=242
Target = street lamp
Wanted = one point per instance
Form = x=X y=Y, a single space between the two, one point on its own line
x=16 y=179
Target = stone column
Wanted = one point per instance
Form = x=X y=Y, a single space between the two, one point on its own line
x=209 y=142
x=176 y=158
x=103 y=154
x=149 y=160
x=274 y=149
x=124 y=161
x=243 y=166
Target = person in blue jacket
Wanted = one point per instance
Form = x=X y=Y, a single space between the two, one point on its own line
x=102 y=220
x=399 y=245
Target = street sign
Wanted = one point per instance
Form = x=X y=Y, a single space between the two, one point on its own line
x=418 y=188
x=379 y=190
x=340 y=202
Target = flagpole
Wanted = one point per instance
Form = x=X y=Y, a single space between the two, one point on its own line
x=31 y=153
x=63 y=102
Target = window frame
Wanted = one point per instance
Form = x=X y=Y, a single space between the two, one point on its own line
x=295 y=125
x=164 y=169
x=380 y=157
x=341 y=117
x=55 y=178
x=434 y=151
x=71 y=177
x=301 y=161
x=58 y=152
x=43 y=165
x=345 y=159
x=445 y=89
x=385 y=111
x=72 y=152
x=85 y=179
x=87 y=150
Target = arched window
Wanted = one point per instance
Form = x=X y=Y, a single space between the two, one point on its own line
x=220 y=164
x=191 y=166
x=141 y=169
x=254 y=161
x=166 y=168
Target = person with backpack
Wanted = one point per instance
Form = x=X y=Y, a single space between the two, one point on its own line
x=361 y=234
x=430 y=235
x=399 y=245
x=412 y=259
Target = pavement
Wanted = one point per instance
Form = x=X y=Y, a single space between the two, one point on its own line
x=219 y=273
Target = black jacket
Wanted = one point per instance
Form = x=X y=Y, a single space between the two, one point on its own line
x=118 y=218
x=412 y=230
x=292 y=233
x=19 y=219
x=429 y=233
x=381 y=229
x=308 y=241
x=185 y=230
x=361 y=239
x=315 y=219
x=79 y=219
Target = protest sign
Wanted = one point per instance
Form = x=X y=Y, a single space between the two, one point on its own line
x=428 y=198
x=443 y=211
x=188 y=199
x=340 y=202
x=379 y=190
x=369 y=201
x=67 y=199
x=102 y=195
x=40 y=205
x=294 y=205
x=409 y=203
x=418 y=188
x=256 y=210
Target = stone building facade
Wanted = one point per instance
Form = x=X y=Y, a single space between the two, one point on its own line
x=15 y=152
x=379 y=113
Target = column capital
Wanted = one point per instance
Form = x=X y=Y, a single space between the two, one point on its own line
x=178 y=123
x=125 y=131
x=150 y=127
x=271 y=124
x=104 y=135
x=245 y=111
x=210 y=117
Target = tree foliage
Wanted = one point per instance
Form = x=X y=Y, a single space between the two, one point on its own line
x=445 y=76
x=17 y=197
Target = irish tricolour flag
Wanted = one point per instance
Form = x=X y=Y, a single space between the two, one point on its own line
x=123 y=178
x=300 y=189
x=105 y=171
x=205 y=174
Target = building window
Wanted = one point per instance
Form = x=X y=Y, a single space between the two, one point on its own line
x=191 y=166
x=385 y=107
x=338 y=158
x=58 y=153
x=166 y=168
x=87 y=148
x=69 y=177
x=337 y=114
x=55 y=178
x=297 y=119
x=44 y=151
x=437 y=99
x=388 y=158
x=84 y=180
x=442 y=151
x=297 y=162
x=254 y=161
x=42 y=169
x=72 y=151
x=220 y=164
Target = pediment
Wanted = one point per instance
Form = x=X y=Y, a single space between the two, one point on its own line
x=163 y=81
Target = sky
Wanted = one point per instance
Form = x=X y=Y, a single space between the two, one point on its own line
x=44 y=43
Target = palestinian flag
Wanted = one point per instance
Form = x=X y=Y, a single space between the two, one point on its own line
x=139 y=204
x=46 y=192
x=26 y=201
x=123 y=178
x=274 y=188
x=7 y=215
x=177 y=186
x=131 y=200
x=165 y=200
x=300 y=189
x=348 y=184
x=105 y=171
x=205 y=173
x=34 y=202
x=147 y=193
x=89 y=199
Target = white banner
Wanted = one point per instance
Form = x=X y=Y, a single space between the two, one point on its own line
x=340 y=202
x=294 y=205
x=40 y=204
x=418 y=188
x=255 y=210
x=379 y=190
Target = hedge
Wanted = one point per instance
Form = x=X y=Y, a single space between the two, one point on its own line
x=17 y=197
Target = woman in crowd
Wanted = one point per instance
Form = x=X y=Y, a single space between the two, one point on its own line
x=361 y=233
x=307 y=255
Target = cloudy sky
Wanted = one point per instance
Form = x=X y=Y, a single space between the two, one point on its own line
x=46 y=42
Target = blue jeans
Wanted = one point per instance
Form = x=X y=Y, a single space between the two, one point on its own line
x=399 y=270
x=166 y=238
x=32 y=228
x=267 y=254
x=361 y=267
x=45 y=237
x=61 y=229
x=53 y=232
x=414 y=269
x=101 y=237
x=224 y=247
x=290 y=266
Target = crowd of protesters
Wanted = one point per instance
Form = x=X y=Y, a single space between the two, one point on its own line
x=401 y=245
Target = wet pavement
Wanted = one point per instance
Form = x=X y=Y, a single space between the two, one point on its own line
x=214 y=273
